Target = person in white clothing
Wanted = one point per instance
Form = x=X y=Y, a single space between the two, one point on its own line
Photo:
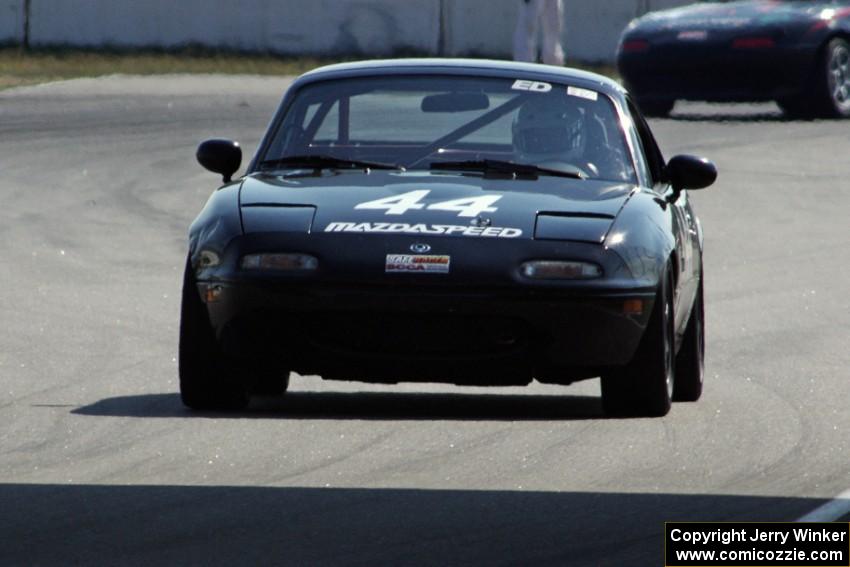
x=544 y=15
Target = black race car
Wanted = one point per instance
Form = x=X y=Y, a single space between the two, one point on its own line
x=794 y=52
x=468 y=222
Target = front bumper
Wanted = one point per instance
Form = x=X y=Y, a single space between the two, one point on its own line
x=455 y=334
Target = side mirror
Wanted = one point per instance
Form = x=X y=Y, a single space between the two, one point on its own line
x=690 y=172
x=220 y=156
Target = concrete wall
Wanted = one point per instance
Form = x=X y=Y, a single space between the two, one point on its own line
x=293 y=26
x=317 y=27
x=11 y=21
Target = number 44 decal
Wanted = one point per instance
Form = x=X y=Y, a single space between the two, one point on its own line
x=400 y=204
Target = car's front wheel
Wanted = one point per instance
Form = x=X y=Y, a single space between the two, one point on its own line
x=644 y=387
x=690 y=362
x=270 y=382
x=208 y=380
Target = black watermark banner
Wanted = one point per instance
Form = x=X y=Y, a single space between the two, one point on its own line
x=757 y=544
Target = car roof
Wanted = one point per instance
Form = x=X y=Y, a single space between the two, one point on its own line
x=474 y=67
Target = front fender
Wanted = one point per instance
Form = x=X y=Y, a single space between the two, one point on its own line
x=218 y=223
x=643 y=236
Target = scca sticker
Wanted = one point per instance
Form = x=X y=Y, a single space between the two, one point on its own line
x=532 y=86
x=421 y=263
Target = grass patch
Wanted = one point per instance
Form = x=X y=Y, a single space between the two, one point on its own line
x=19 y=67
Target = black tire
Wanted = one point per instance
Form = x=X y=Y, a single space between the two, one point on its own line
x=207 y=378
x=830 y=95
x=800 y=108
x=270 y=382
x=644 y=387
x=690 y=362
x=656 y=107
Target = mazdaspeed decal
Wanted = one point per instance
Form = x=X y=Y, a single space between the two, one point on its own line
x=428 y=263
x=422 y=228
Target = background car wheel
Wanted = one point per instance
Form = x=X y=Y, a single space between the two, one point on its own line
x=830 y=97
x=207 y=380
x=690 y=366
x=645 y=386
x=835 y=84
x=656 y=107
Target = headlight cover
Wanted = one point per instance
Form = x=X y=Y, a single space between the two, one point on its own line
x=560 y=270
x=290 y=262
x=208 y=259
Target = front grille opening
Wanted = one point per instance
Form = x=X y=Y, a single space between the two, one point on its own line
x=418 y=335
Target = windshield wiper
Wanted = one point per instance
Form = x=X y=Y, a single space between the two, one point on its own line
x=509 y=167
x=317 y=161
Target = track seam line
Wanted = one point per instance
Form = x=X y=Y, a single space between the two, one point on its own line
x=830 y=511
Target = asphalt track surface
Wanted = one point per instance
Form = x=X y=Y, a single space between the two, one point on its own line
x=100 y=463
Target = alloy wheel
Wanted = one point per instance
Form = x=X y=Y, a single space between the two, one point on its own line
x=838 y=76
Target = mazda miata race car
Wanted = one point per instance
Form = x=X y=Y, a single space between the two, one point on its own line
x=458 y=221
x=795 y=52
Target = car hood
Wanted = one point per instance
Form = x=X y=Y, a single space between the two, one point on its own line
x=730 y=15
x=428 y=202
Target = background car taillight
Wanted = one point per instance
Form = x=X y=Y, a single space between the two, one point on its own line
x=753 y=43
x=635 y=45
x=282 y=262
x=560 y=270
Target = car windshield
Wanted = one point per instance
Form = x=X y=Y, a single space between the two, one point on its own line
x=420 y=122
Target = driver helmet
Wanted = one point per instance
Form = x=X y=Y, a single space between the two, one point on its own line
x=548 y=128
